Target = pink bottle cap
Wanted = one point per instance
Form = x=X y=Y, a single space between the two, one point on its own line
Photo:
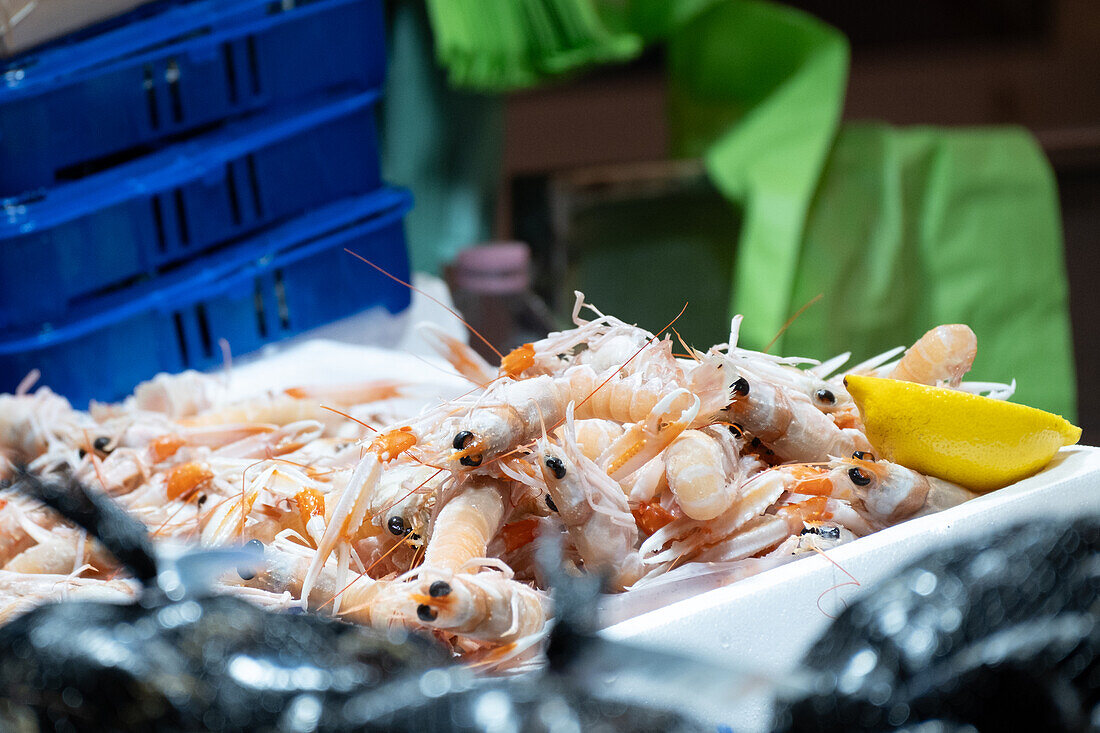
x=496 y=268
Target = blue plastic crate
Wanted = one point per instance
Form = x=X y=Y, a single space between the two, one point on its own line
x=79 y=107
x=290 y=279
x=134 y=221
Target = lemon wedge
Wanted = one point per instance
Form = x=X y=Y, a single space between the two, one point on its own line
x=976 y=442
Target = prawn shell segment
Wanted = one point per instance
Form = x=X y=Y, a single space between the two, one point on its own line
x=696 y=472
x=393 y=443
x=517 y=361
x=185 y=478
x=311 y=503
x=943 y=354
x=165 y=447
x=651 y=516
x=518 y=534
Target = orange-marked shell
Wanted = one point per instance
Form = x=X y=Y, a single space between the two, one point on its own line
x=392 y=443
x=811 y=480
x=811 y=510
x=651 y=517
x=311 y=503
x=518 y=534
x=185 y=478
x=518 y=360
x=165 y=447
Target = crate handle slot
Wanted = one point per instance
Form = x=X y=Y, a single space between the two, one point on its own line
x=253 y=65
x=150 y=88
x=258 y=304
x=181 y=337
x=204 y=331
x=230 y=72
x=158 y=224
x=254 y=183
x=234 y=198
x=172 y=76
x=280 y=298
x=181 y=218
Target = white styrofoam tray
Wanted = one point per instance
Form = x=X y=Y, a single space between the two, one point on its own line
x=766 y=623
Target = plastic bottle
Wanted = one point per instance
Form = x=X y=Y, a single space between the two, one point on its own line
x=491 y=287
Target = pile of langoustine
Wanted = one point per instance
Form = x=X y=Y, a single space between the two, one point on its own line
x=651 y=467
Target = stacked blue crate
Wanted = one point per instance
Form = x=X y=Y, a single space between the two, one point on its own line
x=190 y=176
x=74 y=108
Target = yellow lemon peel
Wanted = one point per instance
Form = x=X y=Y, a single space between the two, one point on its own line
x=974 y=441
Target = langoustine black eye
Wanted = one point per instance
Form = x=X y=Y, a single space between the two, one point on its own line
x=741 y=386
x=426 y=613
x=396 y=525
x=101 y=443
x=439 y=589
x=461 y=439
x=858 y=477
x=556 y=466
x=825 y=397
x=550 y=504
x=863 y=455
